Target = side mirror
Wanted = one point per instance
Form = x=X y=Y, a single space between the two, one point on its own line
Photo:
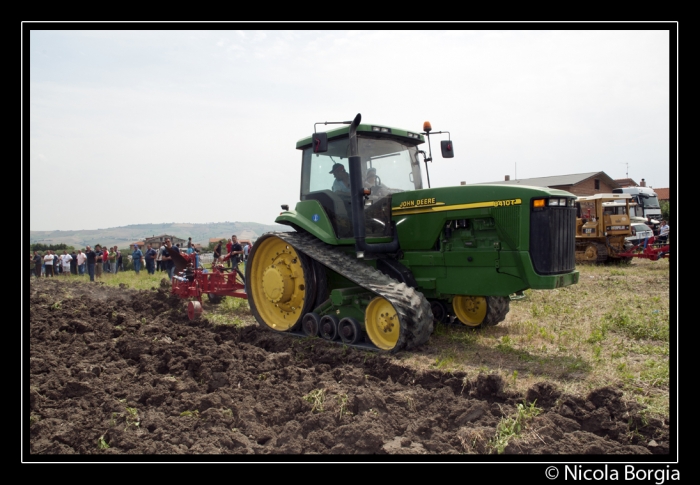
x=320 y=142
x=447 y=149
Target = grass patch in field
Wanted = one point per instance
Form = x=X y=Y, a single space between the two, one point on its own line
x=649 y=349
x=231 y=311
x=217 y=319
x=513 y=426
x=640 y=325
x=598 y=334
x=101 y=443
x=655 y=373
x=446 y=359
x=655 y=404
x=234 y=305
x=505 y=345
x=316 y=398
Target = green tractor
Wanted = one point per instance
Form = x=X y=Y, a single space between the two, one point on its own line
x=376 y=259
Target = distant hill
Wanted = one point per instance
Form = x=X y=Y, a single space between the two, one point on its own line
x=123 y=236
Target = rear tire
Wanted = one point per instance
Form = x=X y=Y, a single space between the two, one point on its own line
x=498 y=308
x=479 y=311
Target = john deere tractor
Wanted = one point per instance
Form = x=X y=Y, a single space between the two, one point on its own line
x=376 y=258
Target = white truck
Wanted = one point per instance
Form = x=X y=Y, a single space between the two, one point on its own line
x=644 y=204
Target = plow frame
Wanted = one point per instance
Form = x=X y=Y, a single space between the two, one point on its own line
x=190 y=284
x=650 y=249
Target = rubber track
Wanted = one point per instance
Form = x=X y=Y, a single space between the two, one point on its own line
x=411 y=306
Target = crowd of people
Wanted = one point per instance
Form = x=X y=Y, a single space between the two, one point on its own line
x=90 y=261
x=95 y=262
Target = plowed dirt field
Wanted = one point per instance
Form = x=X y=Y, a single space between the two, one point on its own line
x=116 y=371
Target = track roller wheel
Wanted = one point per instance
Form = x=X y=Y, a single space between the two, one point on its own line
x=329 y=327
x=310 y=324
x=382 y=323
x=194 y=310
x=349 y=330
x=480 y=311
x=280 y=283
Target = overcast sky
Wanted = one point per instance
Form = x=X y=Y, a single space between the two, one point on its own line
x=133 y=127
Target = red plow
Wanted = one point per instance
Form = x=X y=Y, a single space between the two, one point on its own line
x=650 y=249
x=190 y=283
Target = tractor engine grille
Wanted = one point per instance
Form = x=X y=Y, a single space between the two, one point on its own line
x=553 y=240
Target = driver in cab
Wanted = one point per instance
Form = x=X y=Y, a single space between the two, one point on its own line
x=342 y=179
x=373 y=184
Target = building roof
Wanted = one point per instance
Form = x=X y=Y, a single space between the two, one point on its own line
x=663 y=194
x=626 y=183
x=217 y=239
x=557 y=180
x=604 y=196
x=161 y=235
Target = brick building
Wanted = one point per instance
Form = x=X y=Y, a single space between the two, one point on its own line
x=156 y=241
x=580 y=184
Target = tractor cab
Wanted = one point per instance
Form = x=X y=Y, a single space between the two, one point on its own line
x=388 y=164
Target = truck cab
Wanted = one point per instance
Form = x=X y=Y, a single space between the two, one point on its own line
x=646 y=202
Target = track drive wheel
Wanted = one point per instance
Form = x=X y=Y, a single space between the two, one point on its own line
x=383 y=324
x=480 y=311
x=280 y=283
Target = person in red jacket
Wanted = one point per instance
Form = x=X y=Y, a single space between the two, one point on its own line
x=228 y=250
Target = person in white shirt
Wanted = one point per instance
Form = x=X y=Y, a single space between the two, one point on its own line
x=48 y=263
x=159 y=258
x=664 y=230
x=81 y=262
x=65 y=260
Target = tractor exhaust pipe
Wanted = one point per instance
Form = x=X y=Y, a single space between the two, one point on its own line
x=357 y=202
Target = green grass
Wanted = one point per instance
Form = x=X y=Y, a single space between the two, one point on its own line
x=142 y=281
x=101 y=443
x=512 y=426
x=639 y=324
x=445 y=361
x=317 y=398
